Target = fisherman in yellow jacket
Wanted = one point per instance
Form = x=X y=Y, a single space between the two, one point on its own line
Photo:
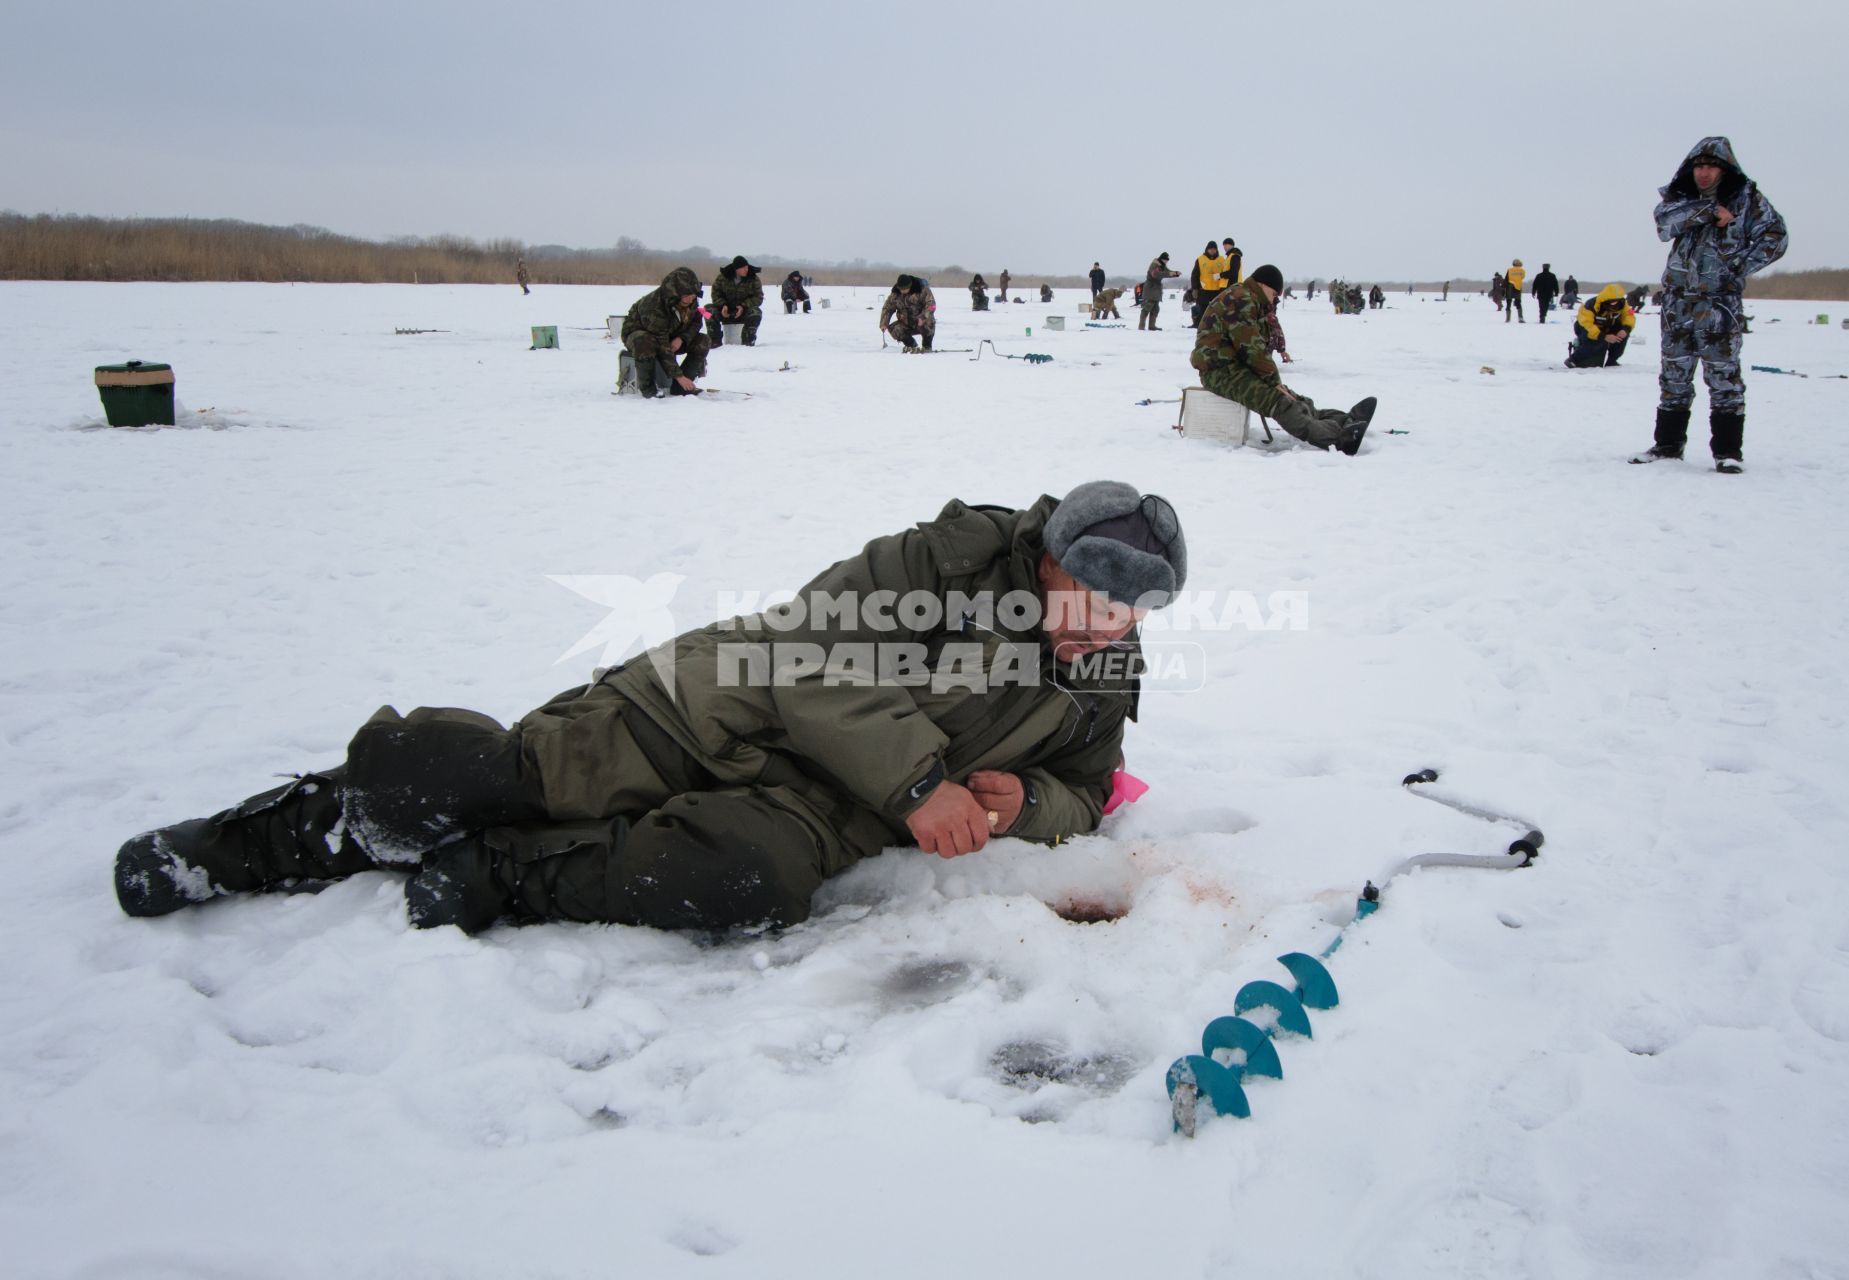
x=1517 y=274
x=1209 y=279
x=1602 y=330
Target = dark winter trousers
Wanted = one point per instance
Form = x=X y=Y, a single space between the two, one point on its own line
x=1543 y=303
x=751 y=318
x=585 y=810
x=1514 y=307
x=1595 y=353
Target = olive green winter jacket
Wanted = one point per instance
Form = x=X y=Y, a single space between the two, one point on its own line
x=873 y=744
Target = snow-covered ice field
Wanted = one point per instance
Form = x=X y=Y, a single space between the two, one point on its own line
x=1631 y=1059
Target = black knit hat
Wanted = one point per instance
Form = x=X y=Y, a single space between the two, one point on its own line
x=1268 y=275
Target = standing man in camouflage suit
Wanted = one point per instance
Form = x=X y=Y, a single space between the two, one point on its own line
x=662 y=332
x=1232 y=351
x=1152 y=291
x=910 y=313
x=1721 y=230
x=738 y=298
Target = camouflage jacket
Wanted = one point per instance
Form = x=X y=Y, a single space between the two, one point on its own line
x=659 y=312
x=1703 y=257
x=730 y=291
x=1108 y=297
x=793 y=290
x=1235 y=334
x=911 y=308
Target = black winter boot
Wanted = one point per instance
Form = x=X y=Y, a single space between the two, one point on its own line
x=1672 y=430
x=295 y=832
x=1727 y=433
x=463 y=883
x=1671 y=437
x=548 y=871
x=646 y=379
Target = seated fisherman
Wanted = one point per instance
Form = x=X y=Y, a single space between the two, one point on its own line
x=1232 y=351
x=662 y=332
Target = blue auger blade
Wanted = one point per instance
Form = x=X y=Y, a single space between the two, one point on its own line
x=1260 y=1055
x=1315 y=988
x=1269 y=995
x=1194 y=1081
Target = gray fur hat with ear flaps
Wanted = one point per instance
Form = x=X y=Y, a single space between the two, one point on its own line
x=1115 y=540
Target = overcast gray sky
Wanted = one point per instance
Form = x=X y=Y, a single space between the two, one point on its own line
x=1347 y=138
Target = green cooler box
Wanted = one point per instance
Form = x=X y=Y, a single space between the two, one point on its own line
x=136 y=394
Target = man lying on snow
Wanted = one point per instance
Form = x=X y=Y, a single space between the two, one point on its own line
x=967 y=678
x=1232 y=351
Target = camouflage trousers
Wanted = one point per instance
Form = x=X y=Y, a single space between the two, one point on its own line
x=644 y=345
x=1706 y=328
x=1299 y=416
x=907 y=330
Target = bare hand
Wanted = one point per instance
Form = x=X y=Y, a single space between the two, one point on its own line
x=1722 y=215
x=675 y=345
x=1001 y=794
x=949 y=823
x=1614 y=337
x=1285 y=392
x=882 y=326
x=1285 y=356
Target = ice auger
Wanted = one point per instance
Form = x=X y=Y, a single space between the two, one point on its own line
x=1030 y=357
x=1235 y=1047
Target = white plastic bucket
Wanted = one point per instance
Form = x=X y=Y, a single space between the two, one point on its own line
x=823 y=304
x=1056 y=322
x=734 y=333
